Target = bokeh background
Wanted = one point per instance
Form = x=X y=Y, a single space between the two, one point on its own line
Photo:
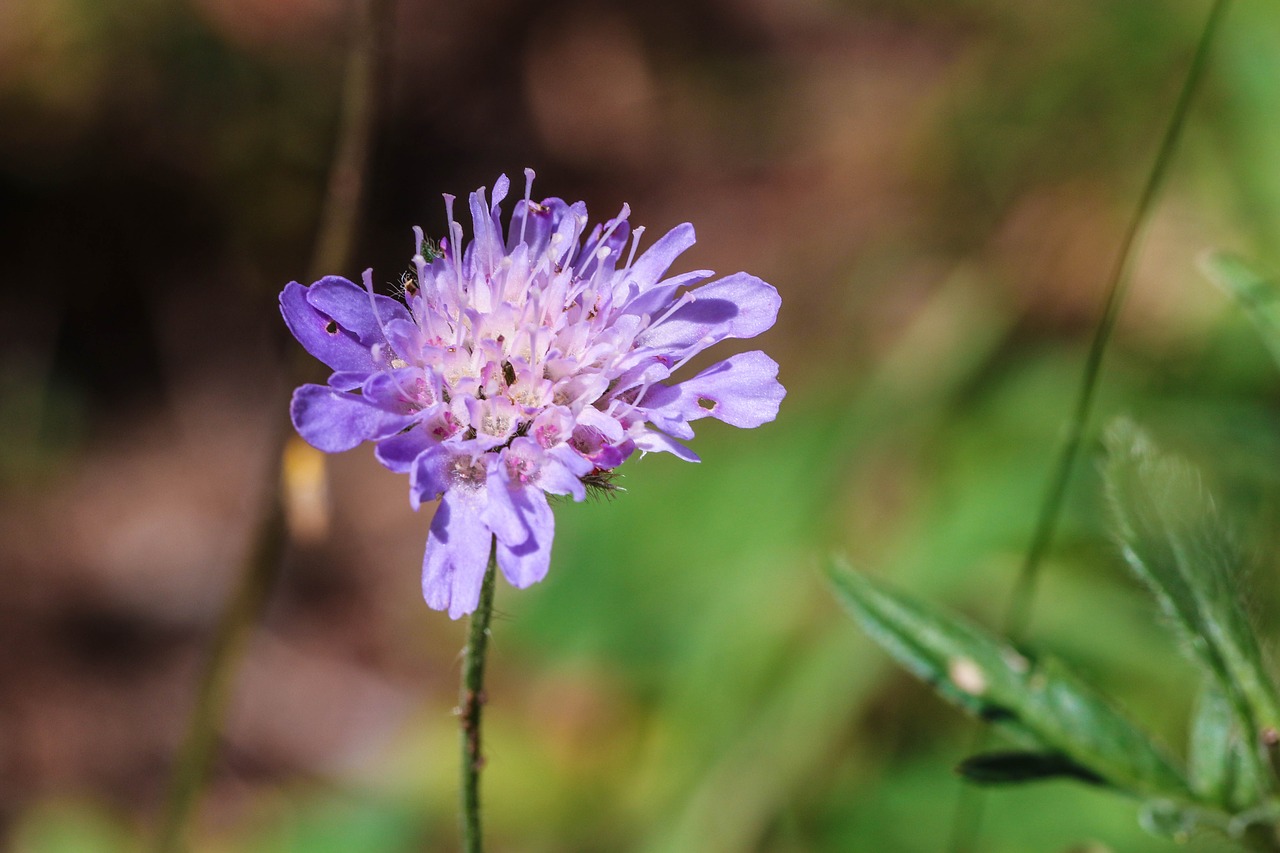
x=938 y=190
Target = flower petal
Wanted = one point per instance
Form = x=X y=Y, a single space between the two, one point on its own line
x=652 y=441
x=601 y=423
x=321 y=335
x=664 y=408
x=659 y=257
x=527 y=560
x=486 y=239
x=500 y=189
x=533 y=222
x=737 y=306
x=399 y=452
x=562 y=470
x=405 y=390
x=501 y=514
x=428 y=478
x=349 y=380
x=405 y=338
x=334 y=421
x=348 y=303
x=458 y=548
x=742 y=391
x=658 y=297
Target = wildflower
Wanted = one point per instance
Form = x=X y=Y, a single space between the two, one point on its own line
x=521 y=367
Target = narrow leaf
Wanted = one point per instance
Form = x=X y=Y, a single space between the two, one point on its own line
x=1222 y=765
x=1257 y=293
x=1038 y=702
x=1176 y=543
x=1007 y=768
x=1210 y=755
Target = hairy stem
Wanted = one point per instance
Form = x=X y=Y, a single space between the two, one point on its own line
x=1018 y=615
x=471 y=706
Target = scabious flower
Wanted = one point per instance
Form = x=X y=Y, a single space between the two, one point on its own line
x=521 y=367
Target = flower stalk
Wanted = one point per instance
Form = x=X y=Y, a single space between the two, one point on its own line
x=471 y=705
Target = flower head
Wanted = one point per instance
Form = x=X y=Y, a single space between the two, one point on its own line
x=524 y=366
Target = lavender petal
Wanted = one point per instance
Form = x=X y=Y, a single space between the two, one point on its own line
x=457 y=552
x=322 y=336
x=742 y=391
x=334 y=421
x=737 y=306
x=526 y=561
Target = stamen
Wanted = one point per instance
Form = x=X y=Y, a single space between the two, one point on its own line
x=456 y=240
x=635 y=404
x=621 y=218
x=367 y=278
x=419 y=259
x=613 y=226
x=455 y=234
x=377 y=348
x=528 y=204
x=548 y=262
x=702 y=343
x=684 y=300
x=635 y=244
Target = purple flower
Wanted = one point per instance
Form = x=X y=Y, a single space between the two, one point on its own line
x=521 y=367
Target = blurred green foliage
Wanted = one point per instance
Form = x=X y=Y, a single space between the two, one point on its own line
x=683 y=681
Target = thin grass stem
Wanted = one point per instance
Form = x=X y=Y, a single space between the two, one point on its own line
x=966 y=823
x=338 y=224
x=1019 y=610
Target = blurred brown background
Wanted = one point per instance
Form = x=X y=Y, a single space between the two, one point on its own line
x=936 y=188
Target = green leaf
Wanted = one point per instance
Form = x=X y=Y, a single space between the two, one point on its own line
x=1176 y=543
x=1038 y=702
x=1257 y=293
x=1006 y=768
x=1210 y=754
x=1221 y=768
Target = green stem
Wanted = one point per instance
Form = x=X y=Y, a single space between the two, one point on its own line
x=472 y=704
x=361 y=97
x=338 y=223
x=1019 y=610
x=967 y=818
